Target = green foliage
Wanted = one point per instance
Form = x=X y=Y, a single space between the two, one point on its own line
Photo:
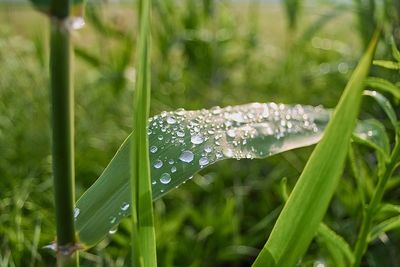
x=177 y=153
x=307 y=204
x=229 y=53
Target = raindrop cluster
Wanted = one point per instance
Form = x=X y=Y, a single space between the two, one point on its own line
x=189 y=140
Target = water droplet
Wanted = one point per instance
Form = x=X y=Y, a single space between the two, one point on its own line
x=160 y=137
x=165 y=178
x=203 y=161
x=180 y=111
x=153 y=149
x=171 y=120
x=180 y=133
x=197 y=139
x=173 y=169
x=76 y=212
x=113 y=230
x=228 y=152
x=208 y=149
x=125 y=206
x=186 y=156
x=157 y=164
x=231 y=133
x=171 y=161
x=113 y=219
x=52 y=246
x=75 y=23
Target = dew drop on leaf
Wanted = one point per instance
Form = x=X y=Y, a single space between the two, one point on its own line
x=186 y=156
x=197 y=139
x=113 y=230
x=125 y=206
x=203 y=161
x=76 y=212
x=157 y=164
x=165 y=178
x=171 y=120
x=153 y=149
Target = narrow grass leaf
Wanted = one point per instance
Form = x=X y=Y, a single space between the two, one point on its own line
x=384 y=103
x=307 y=204
x=143 y=241
x=182 y=143
x=383 y=227
x=389 y=208
x=395 y=51
x=329 y=236
x=373 y=134
x=387 y=64
x=383 y=85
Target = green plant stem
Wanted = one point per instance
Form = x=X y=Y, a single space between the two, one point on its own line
x=62 y=118
x=143 y=235
x=60 y=9
x=371 y=209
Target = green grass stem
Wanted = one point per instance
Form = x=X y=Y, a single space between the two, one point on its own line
x=143 y=234
x=62 y=118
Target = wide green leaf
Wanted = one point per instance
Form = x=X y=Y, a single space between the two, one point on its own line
x=307 y=204
x=184 y=142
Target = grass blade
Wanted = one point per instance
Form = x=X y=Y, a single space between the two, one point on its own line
x=143 y=242
x=383 y=227
x=391 y=65
x=384 y=103
x=307 y=204
x=254 y=135
x=372 y=133
x=329 y=236
x=383 y=85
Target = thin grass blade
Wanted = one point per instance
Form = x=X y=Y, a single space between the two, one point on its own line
x=307 y=204
x=143 y=241
x=373 y=134
x=384 y=103
x=383 y=227
x=383 y=85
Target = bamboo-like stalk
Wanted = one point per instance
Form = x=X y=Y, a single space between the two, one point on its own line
x=62 y=118
x=143 y=235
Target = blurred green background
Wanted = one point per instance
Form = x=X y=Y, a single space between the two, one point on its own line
x=204 y=53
